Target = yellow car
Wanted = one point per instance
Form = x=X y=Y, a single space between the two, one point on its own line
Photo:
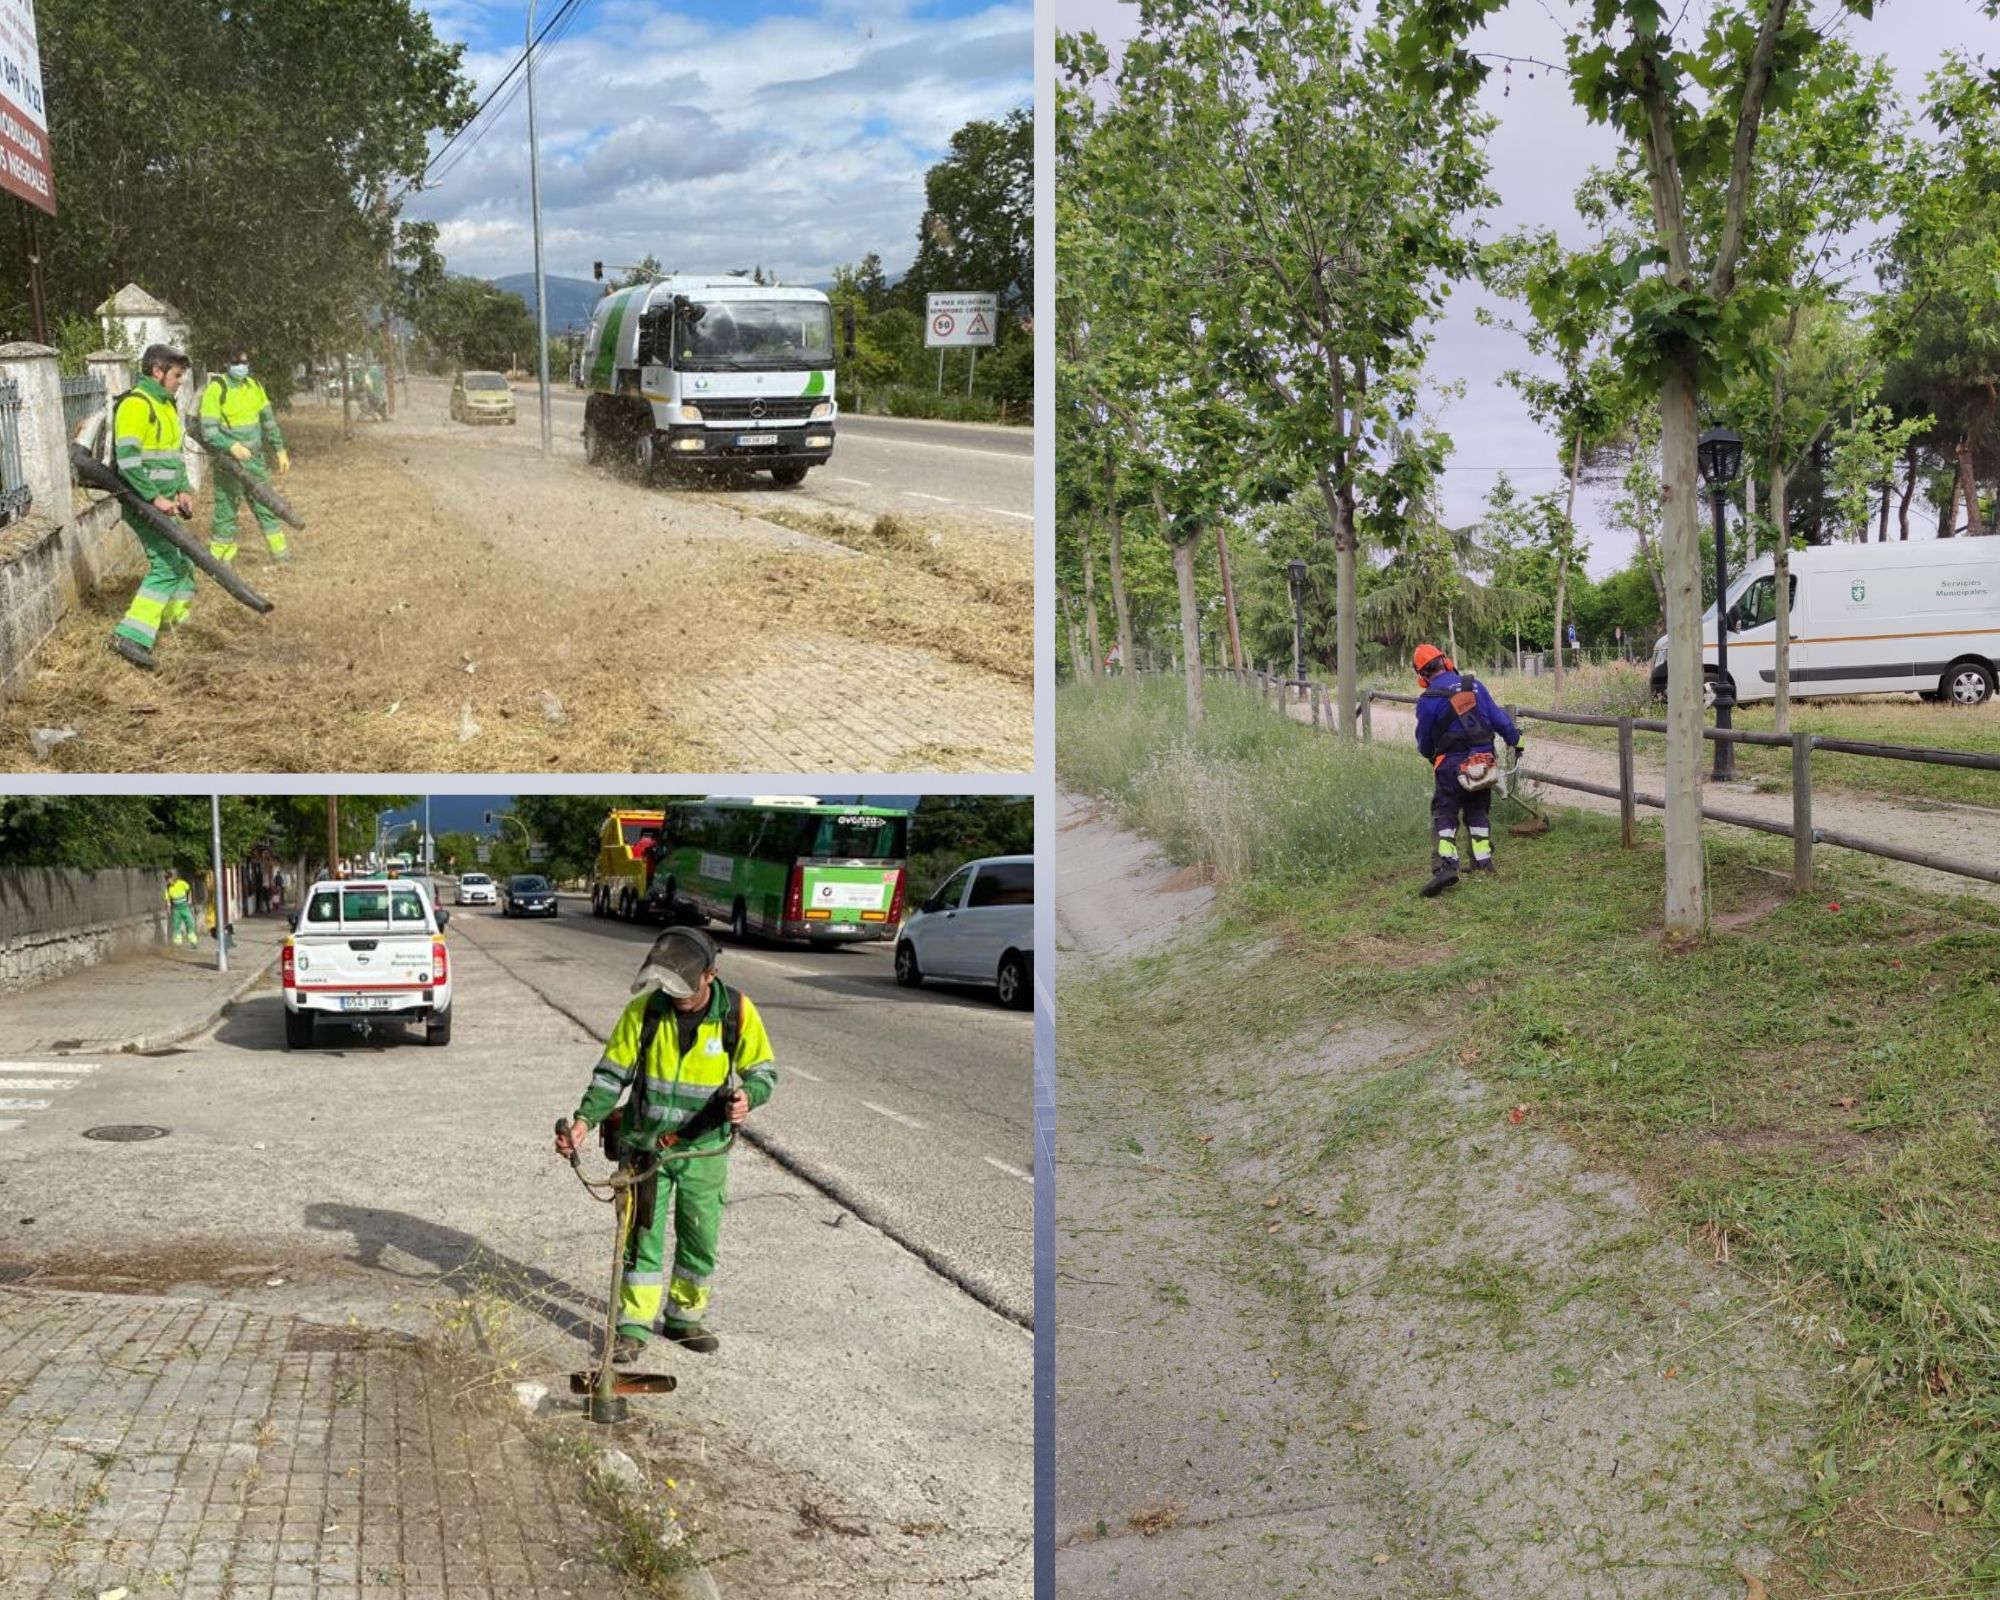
x=482 y=397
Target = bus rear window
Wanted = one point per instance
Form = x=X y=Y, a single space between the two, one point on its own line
x=854 y=838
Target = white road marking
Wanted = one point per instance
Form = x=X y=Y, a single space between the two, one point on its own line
x=859 y=483
x=44 y=1066
x=24 y=1105
x=785 y=967
x=1018 y=516
x=894 y=1116
x=810 y=1077
x=41 y=1083
x=1011 y=1170
x=890 y=443
x=9 y=1126
x=941 y=499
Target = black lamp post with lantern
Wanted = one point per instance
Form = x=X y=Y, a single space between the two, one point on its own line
x=1719 y=454
x=1295 y=574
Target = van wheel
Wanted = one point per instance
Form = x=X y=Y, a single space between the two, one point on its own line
x=908 y=973
x=1011 y=982
x=646 y=452
x=298 y=1030
x=795 y=473
x=438 y=1029
x=739 y=922
x=1967 y=683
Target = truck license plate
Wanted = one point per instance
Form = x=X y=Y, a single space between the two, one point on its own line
x=365 y=1002
x=747 y=440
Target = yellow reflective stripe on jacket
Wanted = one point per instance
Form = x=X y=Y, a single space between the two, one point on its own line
x=238 y=412
x=146 y=441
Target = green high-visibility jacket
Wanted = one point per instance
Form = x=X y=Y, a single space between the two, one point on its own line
x=679 y=1084
x=146 y=441
x=238 y=413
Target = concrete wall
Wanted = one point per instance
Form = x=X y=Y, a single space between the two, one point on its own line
x=53 y=920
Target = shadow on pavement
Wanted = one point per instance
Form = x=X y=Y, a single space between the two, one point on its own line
x=257 y=1023
x=467 y=1264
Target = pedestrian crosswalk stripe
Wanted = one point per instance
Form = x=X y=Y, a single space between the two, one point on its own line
x=24 y=1105
x=20 y=1077
x=45 y=1066
x=41 y=1083
x=9 y=1126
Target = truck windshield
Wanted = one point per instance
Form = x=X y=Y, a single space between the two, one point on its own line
x=756 y=333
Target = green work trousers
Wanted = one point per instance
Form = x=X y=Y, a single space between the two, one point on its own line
x=686 y=1196
x=165 y=593
x=228 y=490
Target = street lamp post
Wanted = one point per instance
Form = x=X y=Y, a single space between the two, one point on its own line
x=535 y=205
x=1719 y=453
x=1295 y=572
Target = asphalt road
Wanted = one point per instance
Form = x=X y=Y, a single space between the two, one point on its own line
x=376 y=1179
x=879 y=464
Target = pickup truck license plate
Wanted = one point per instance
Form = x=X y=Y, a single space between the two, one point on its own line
x=747 y=440
x=365 y=1002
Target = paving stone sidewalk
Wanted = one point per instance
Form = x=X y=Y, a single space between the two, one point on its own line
x=139 y=1001
x=189 y=1449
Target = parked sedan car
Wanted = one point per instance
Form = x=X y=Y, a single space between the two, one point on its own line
x=477 y=889
x=482 y=397
x=979 y=927
x=529 y=896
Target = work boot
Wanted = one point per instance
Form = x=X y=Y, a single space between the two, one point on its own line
x=1482 y=863
x=626 y=1349
x=690 y=1336
x=1443 y=878
x=133 y=652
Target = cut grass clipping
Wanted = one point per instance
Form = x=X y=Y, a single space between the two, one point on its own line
x=1809 y=1092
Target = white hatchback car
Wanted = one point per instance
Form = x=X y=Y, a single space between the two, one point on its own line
x=477 y=889
x=979 y=927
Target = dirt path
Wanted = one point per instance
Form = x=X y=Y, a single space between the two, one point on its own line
x=1969 y=832
x=460 y=605
x=1329 y=1322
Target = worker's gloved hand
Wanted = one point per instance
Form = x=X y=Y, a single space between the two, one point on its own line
x=739 y=1107
x=185 y=503
x=284 y=461
x=240 y=451
x=569 y=1139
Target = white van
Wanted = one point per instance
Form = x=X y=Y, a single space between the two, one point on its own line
x=979 y=927
x=1866 y=619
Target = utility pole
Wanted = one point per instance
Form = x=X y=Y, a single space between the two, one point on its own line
x=535 y=205
x=333 y=836
x=388 y=326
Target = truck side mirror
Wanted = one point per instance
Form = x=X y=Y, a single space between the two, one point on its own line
x=847 y=330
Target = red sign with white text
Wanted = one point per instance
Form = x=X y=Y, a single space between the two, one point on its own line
x=25 y=168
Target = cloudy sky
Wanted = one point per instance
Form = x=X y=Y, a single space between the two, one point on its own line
x=1542 y=148
x=792 y=134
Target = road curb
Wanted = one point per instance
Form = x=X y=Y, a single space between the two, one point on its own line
x=147 y=1041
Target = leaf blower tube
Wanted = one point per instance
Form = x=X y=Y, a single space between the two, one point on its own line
x=257 y=489
x=94 y=474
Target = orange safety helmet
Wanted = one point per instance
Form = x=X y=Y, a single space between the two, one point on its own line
x=1427 y=659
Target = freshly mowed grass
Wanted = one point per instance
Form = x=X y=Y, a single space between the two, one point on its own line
x=1614 y=690
x=1810 y=1092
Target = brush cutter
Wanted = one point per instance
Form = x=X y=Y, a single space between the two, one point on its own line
x=1510 y=789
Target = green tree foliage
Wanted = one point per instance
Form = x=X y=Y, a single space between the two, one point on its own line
x=91 y=832
x=235 y=160
x=466 y=323
x=950 y=830
x=977 y=231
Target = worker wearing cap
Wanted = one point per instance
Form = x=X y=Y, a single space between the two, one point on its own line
x=237 y=421
x=683 y=1040
x=179 y=896
x=1457 y=721
x=146 y=450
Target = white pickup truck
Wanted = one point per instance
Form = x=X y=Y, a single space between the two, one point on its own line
x=364 y=951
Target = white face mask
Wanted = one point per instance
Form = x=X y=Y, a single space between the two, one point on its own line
x=239 y=370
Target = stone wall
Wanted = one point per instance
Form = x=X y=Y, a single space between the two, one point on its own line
x=54 y=920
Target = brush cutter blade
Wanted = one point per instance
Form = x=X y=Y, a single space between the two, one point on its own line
x=626 y=1383
x=1534 y=825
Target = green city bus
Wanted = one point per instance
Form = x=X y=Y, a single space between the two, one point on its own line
x=789 y=867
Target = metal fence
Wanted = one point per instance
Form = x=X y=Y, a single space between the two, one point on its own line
x=1800 y=830
x=15 y=495
x=82 y=398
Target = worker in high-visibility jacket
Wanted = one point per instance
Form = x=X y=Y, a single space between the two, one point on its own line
x=684 y=1041
x=237 y=420
x=146 y=450
x=179 y=896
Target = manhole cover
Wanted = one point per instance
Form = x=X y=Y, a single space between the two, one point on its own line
x=125 y=1132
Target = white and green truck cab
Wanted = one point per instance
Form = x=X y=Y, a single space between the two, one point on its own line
x=711 y=371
